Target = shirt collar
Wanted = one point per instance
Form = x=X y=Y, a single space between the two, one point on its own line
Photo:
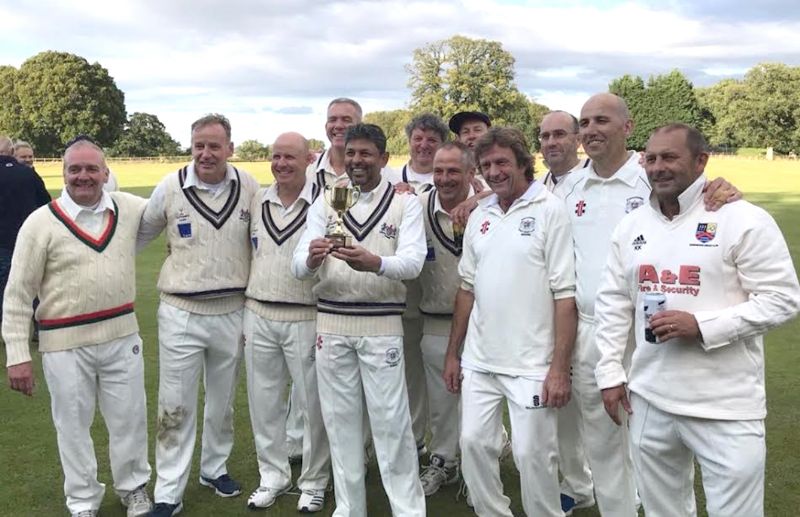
x=271 y=194
x=535 y=190
x=192 y=180
x=686 y=199
x=73 y=209
x=629 y=173
x=437 y=205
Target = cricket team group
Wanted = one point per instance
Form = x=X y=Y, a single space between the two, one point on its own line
x=409 y=308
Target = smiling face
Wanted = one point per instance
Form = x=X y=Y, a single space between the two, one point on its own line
x=24 y=154
x=670 y=165
x=504 y=175
x=211 y=148
x=604 y=127
x=363 y=162
x=451 y=176
x=470 y=131
x=423 y=144
x=85 y=173
x=559 y=142
x=290 y=157
x=341 y=116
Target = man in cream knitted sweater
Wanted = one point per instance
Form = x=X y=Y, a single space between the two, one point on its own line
x=204 y=208
x=361 y=298
x=280 y=332
x=77 y=254
x=698 y=391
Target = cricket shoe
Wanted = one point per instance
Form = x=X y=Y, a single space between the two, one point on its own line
x=311 y=501
x=264 y=497
x=137 y=502
x=437 y=474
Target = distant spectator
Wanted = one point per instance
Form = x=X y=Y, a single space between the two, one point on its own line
x=21 y=192
x=23 y=152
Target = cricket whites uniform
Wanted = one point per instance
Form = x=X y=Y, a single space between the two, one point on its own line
x=439 y=281
x=509 y=345
x=576 y=477
x=702 y=398
x=280 y=333
x=80 y=262
x=202 y=284
x=360 y=344
x=595 y=205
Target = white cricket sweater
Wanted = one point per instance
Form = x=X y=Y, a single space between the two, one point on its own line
x=208 y=239
x=517 y=264
x=272 y=291
x=732 y=270
x=86 y=283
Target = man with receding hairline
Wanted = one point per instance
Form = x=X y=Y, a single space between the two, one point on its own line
x=77 y=254
x=279 y=330
x=698 y=390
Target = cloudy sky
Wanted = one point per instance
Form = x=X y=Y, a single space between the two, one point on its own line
x=271 y=65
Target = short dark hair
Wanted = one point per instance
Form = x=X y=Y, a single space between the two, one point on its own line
x=213 y=118
x=510 y=138
x=695 y=141
x=428 y=122
x=467 y=160
x=369 y=132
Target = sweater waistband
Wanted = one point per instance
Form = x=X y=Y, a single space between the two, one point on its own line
x=84 y=319
x=360 y=308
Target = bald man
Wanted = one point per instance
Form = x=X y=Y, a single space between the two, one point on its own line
x=280 y=332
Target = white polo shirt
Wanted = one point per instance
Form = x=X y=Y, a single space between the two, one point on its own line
x=555 y=183
x=595 y=206
x=422 y=182
x=516 y=263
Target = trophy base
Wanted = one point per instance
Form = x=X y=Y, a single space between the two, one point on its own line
x=340 y=241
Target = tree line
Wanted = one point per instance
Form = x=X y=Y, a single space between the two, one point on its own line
x=54 y=96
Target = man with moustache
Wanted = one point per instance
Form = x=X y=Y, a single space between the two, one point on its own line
x=279 y=331
x=453 y=171
x=517 y=341
x=77 y=254
x=597 y=198
x=204 y=208
x=361 y=298
x=698 y=391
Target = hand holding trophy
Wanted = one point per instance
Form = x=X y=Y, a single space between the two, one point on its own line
x=341 y=199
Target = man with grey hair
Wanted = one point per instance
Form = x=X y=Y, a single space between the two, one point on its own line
x=342 y=113
x=23 y=152
x=205 y=210
x=77 y=255
x=21 y=192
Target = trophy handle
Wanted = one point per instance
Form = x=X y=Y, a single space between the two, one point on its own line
x=354 y=196
x=327 y=192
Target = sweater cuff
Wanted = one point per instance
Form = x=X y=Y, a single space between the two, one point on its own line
x=716 y=329
x=610 y=376
x=17 y=354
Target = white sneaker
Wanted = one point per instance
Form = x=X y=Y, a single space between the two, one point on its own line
x=311 y=501
x=85 y=513
x=137 y=502
x=436 y=475
x=265 y=497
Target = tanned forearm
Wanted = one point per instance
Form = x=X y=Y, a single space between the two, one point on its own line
x=458 y=331
x=566 y=324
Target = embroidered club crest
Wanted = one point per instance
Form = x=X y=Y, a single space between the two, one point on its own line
x=389 y=231
x=393 y=356
x=632 y=203
x=527 y=225
x=244 y=215
x=706 y=232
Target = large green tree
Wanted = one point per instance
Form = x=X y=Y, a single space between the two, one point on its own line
x=460 y=74
x=10 y=122
x=393 y=123
x=62 y=95
x=664 y=99
x=145 y=135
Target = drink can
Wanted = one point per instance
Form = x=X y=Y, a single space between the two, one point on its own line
x=653 y=304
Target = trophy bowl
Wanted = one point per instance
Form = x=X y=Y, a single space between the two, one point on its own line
x=341 y=199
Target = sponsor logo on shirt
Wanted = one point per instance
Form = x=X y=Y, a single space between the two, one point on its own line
x=638 y=242
x=485 y=227
x=527 y=225
x=389 y=231
x=686 y=281
x=580 y=208
x=632 y=203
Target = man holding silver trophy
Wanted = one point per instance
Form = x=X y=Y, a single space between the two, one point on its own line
x=361 y=254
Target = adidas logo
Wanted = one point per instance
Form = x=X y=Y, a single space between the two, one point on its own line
x=638 y=242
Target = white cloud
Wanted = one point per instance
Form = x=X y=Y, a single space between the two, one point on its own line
x=272 y=66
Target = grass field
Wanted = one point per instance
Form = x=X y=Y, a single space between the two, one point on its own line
x=32 y=481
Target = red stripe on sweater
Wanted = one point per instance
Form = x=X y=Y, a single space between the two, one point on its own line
x=88 y=316
x=77 y=229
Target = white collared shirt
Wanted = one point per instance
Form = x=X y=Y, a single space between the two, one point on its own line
x=87 y=218
x=271 y=195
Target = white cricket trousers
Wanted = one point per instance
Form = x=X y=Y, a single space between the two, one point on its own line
x=294 y=423
x=443 y=406
x=345 y=366
x=576 y=479
x=415 y=377
x=273 y=352
x=190 y=345
x=534 y=444
x=111 y=373
x=731 y=454
x=605 y=444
